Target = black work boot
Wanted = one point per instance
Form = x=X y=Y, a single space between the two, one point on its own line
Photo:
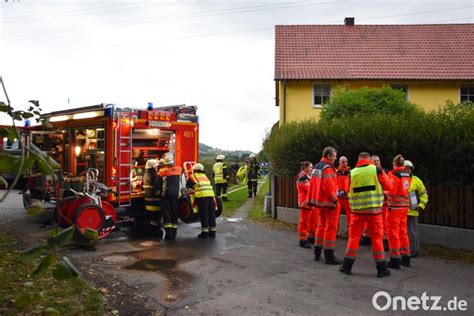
x=382 y=270
x=311 y=240
x=225 y=199
x=212 y=233
x=394 y=263
x=169 y=233
x=405 y=261
x=174 y=231
x=203 y=235
x=330 y=258
x=305 y=244
x=317 y=252
x=347 y=266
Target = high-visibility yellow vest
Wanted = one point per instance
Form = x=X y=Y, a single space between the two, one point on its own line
x=418 y=186
x=365 y=192
x=203 y=187
x=218 y=170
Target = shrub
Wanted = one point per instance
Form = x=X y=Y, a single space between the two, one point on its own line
x=440 y=143
x=363 y=101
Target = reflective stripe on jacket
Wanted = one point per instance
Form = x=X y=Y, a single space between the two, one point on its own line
x=152 y=200
x=418 y=186
x=343 y=182
x=220 y=171
x=398 y=196
x=169 y=179
x=322 y=185
x=302 y=186
x=365 y=192
x=202 y=187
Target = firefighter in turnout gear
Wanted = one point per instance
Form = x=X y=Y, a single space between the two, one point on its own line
x=169 y=184
x=367 y=184
x=152 y=200
x=398 y=203
x=221 y=175
x=323 y=195
x=253 y=173
x=204 y=195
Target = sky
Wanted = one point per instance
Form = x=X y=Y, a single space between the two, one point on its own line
x=218 y=55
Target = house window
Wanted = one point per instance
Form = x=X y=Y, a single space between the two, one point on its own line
x=467 y=94
x=321 y=94
x=402 y=88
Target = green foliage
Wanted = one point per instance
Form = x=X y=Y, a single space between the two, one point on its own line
x=363 y=101
x=21 y=294
x=50 y=259
x=439 y=143
x=257 y=212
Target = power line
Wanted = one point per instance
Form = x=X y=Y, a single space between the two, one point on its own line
x=105 y=9
x=256 y=8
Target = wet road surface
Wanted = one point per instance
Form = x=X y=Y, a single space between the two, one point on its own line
x=248 y=269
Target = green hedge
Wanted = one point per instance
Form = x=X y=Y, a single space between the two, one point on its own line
x=365 y=100
x=440 y=143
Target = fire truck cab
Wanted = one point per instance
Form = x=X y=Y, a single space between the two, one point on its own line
x=117 y=141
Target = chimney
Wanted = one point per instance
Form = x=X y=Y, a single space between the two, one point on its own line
x=349 y=21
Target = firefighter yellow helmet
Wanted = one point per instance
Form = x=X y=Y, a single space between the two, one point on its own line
x=168 y=158
x=151 y=163
x=198 y=167
x=220 y=157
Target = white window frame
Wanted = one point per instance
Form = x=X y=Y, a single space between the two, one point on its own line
x=318 y=106
x=407 y=94
x=465 y=86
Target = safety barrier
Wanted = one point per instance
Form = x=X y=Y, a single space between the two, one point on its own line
x=448 y=205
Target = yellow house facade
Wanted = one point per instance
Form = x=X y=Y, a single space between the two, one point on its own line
x=430 y=63
x=296 y=98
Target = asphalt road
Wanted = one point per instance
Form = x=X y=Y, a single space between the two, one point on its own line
x=249 y=269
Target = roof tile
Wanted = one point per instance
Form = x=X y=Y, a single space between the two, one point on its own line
x=424 y=51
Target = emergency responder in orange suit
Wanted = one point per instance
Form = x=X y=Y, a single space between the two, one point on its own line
x=169 y=183
x=323 y=195
x=378 y=164
x=307 y=222
x=343 y=188
x=367 y=183
x=397 y=214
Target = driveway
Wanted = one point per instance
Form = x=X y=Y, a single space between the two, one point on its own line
x=248 y=269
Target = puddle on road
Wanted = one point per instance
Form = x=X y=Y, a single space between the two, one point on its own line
x=233 y=219
x=168 y=268
x=116 y=259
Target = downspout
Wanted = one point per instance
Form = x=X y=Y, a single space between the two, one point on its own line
x=284 y=102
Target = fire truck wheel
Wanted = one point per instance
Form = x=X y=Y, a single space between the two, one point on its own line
x=185 y=210
x=26 y=198
x=60 y=211
x=89 y=215
x=219 y=207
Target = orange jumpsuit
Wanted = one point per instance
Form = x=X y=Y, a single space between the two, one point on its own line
x=398 y=203
x=308 y=215
x=323 y=195
x=343 y=183
x=373 y=218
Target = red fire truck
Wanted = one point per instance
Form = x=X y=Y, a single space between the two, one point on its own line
x=116 y=141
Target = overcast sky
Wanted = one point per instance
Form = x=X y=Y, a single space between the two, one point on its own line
x=218 y=55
